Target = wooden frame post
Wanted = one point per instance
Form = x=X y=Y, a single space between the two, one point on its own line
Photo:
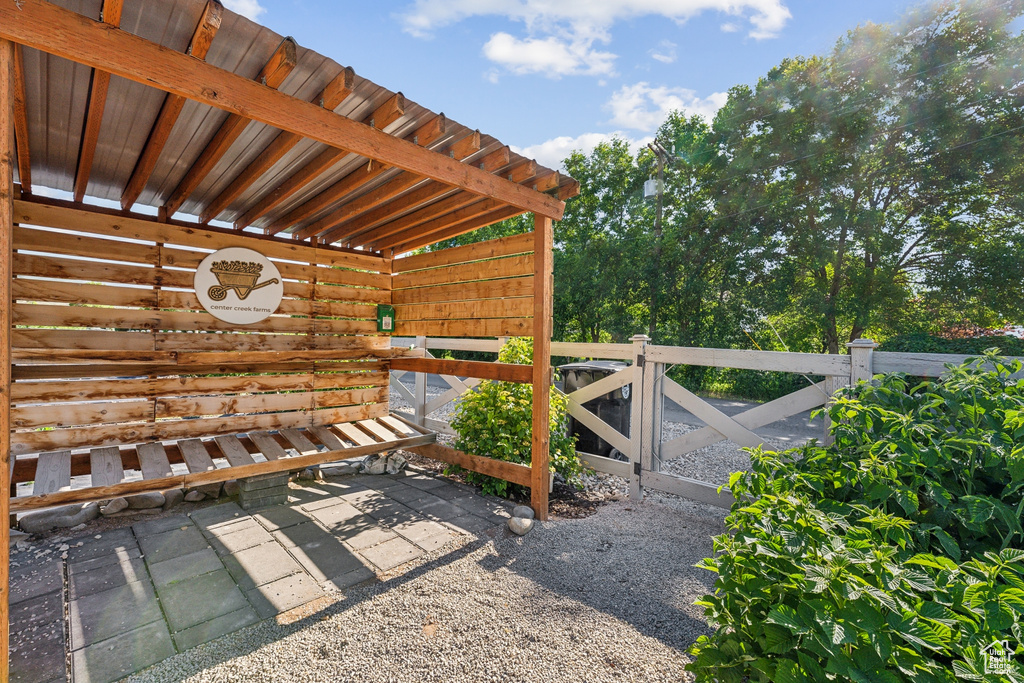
x=543 y=286
x=419 y=408
x=636 y=422
x=6 y=240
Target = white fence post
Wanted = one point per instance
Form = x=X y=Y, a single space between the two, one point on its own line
x=636 y=428
x=861 y=357
x=420 y=390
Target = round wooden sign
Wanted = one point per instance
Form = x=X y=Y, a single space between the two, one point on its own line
x=239 y=285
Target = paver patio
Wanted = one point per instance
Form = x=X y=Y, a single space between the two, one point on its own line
x=138 y=595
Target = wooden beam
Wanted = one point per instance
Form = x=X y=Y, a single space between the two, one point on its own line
x=7 y=104
x=64 y=33
x=198 y=47
x=467 y=219
x=509 y=471
x=377 y=205
x=21 y=122
x=97 y=103
x=504 y=372
x=347 y=185
x=277 y=68
x=542 y=313
x=427 y=214
x=425 y=136
x=329 y=98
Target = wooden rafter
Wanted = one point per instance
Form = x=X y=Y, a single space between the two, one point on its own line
x=425 y=136
x=330 y=98
x=64 y=33
x=111 y=16
x=277 y=68
x=346 y=185
x=372 y=200
x=459 y=222
x=198 y=47
x=21 y=122
x=370 y=230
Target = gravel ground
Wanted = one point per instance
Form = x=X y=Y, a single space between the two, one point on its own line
x=606 y=598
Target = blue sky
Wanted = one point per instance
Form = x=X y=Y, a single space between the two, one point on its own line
x=550 y=76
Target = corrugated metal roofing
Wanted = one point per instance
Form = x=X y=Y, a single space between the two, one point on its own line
x=57 y=94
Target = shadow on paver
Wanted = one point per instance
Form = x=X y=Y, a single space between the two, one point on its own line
x=138 y=595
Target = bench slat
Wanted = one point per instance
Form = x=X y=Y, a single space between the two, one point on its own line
x=153 y=461
x=268 y=445
x=377 y=430
x=196 y=456
x=233 y=450
x=397 y=426
x=354 y=433
x=327 y=437
x=105 y=466
x=53 y=472
x=298 y=441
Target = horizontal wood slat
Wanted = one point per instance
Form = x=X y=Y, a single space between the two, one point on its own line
x=521 y=307
x=512 y=266
x=505 y=372
x=469 y=291
x=505 y=246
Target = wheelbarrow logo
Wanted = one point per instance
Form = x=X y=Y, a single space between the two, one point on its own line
x=240 y=276
x=239 y=286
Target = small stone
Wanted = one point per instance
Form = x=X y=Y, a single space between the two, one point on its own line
x=307 y=474
x=17 y=536
x=194 y=496
x=520 y=526
x=375 y=465
x=64 y=556
x=522 y=511
x=396 y=463
x=68 y=516
x=63 y=546
x=231 y=488
x=116 y=505
x=173 y=498
x=146 y=501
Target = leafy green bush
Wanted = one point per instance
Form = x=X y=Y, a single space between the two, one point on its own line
x=893 y=555
x=495 y=420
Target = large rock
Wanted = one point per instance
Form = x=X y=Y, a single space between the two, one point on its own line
x=173 y=498
x=522 y=511
x=520 y=526
x=146 y=501
x=194 y=496
x=396 y=463
x=375 y=464
x=114 y=506
x=231 y=488
x=59 y=518
x=211 y=490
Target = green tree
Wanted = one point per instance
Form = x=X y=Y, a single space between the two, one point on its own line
x=887 y=168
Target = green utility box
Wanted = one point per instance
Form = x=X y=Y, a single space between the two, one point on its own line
x=385 y=318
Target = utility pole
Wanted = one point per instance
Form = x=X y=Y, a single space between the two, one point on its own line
x=660 y=153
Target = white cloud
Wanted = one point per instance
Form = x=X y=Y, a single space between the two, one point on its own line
x=549 y=56
x=730 y=27
x=552 y=152
x=644 y=108
x=247 y=8
x=665 y=52
x=591 y=19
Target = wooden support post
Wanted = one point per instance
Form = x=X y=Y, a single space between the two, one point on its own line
x=543 y=276
x=7 y=94
x=419 y=409
x=636 y=428
x=861 y=356
x=652 y=400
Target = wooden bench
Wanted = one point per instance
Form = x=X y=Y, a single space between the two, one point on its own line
x=209 y=460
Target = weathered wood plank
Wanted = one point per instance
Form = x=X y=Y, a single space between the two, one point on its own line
x=692 y=489
x=599 y=427
x=469 y=291
x=505 y=372
x=53 y=472
x=327 y=437
x=513 y=472
x=543 y=283
x=397 y=425
x=804 y=363
x=153 y=461
x=299 y=441
x=105 y=466
x=233 y=449
x=354 y=434
x=508 y=307
x=512 y=266
x=377 y=430
x=505 y=246
x=489 y=327
x=711 y=415
x=68 y=415
x=268 y=445
x=603 y=386
x=196 y=456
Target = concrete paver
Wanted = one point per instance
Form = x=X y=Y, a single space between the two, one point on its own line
x=136 y=595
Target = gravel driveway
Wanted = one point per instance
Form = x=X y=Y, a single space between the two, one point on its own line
x=605 y=598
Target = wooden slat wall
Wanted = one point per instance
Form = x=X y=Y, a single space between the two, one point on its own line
x=478 y=290
x=111 y=346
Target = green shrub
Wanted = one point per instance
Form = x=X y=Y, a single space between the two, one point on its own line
x=926 y=343
x=893 y=555
x=495 y=420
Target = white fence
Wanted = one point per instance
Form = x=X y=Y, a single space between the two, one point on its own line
x=650 y=386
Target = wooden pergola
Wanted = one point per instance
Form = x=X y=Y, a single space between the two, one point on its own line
x=237 y=138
